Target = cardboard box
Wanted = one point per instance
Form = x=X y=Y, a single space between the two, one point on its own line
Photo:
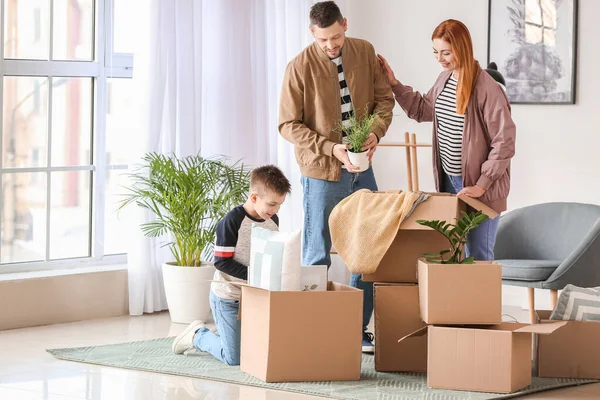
x=397 y=314
x=572 y=352
x=495 y=359
x=302 y=336
x=399 y=264
x=460 y=294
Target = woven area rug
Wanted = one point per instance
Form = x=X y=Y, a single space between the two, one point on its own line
x=156 y=356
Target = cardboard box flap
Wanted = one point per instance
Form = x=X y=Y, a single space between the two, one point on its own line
x=543 y=314
x=543 y=329
x=419 y=332
x=478 y=205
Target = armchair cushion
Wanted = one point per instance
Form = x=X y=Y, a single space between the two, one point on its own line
x=528 y=270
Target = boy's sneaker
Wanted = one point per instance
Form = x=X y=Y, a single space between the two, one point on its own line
x=367 y=343
x=185 y=340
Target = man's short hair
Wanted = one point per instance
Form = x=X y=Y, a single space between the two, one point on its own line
x=325 y=13
x=271 y=178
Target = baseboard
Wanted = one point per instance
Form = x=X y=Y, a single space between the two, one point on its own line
x=64 y=298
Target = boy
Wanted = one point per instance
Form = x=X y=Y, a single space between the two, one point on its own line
x=268 y=189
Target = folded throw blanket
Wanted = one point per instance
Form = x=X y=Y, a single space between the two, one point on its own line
x=364 y=225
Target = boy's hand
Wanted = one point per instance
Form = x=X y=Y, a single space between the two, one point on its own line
x=340 y=152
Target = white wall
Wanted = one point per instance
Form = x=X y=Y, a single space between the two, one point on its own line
x=557 y=155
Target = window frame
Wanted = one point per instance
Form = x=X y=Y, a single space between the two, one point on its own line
x=104 y=66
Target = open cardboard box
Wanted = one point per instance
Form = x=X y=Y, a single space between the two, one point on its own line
x=399 y=264
x=460 y=294
x=290 y=336
x=572 y=352
x=495 y=359
x=397 y=314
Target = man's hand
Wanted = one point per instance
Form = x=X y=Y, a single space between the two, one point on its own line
x=472 y=191
x=340 y=152
x=371 y=145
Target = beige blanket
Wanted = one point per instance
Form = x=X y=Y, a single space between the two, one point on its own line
x=364 y=225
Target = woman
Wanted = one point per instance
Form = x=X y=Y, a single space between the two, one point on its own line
x=473 y=132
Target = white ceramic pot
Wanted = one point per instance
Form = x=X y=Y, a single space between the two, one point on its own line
x=187 y=290
x=360 y=160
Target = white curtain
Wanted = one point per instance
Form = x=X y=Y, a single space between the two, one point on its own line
x=246 y=46
x=167 y=80
x=209 y=76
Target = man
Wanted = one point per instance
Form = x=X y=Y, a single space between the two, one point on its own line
x=323 y=85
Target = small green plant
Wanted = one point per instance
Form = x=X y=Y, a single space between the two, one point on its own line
x=358 y=130
x=456 y=235
x=187 y=196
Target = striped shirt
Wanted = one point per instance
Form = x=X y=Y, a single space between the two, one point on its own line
x=449 y=129
x=232 y=250
x=347 y=107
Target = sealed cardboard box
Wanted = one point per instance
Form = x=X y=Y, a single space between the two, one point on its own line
x=397 y=314
x=571 y=352
x=399 y=264
x=460 y=294
x=302 y=335
x=494 y=359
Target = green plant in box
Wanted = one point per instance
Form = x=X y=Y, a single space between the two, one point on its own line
x=457 y=237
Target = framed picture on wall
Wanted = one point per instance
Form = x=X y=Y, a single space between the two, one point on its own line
x=534 y=44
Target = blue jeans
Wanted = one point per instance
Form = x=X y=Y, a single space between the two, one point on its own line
x=481 y=240
x=320 y=197
x=226 y=345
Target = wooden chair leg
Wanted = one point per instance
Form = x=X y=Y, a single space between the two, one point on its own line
x=415 y=165
x=409 y=172
x=553 y=298
x=531 y=296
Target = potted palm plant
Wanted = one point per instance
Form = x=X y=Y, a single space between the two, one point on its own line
x=454 y=289
x=357 y=131
x=187 y=196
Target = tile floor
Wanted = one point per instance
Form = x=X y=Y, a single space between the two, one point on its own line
x=27 y=372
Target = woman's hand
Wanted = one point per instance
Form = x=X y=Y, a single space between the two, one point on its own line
x=387 y=71
x=472 y=191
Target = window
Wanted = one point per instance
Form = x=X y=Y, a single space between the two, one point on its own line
x=61 y=165
x=540 y=22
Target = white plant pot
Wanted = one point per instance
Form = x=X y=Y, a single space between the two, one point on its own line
x=360 y=160
x=187 y=290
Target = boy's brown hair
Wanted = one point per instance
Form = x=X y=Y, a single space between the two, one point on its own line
x=271 y=178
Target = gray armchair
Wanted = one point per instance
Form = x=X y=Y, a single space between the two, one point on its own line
x=548 y=246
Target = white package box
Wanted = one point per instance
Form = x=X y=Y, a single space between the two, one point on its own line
x=313 y=278
x=274 y=260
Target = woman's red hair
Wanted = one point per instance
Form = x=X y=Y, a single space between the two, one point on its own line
x=457 y=35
